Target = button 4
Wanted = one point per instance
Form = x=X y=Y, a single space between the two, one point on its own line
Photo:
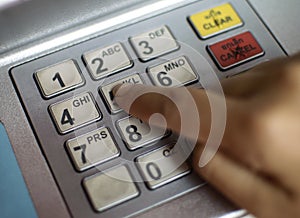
x=215 y=20
x=235 y=50
x=74 y=112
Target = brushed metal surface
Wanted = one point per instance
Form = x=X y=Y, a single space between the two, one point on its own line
x=24 y=31
x=282 y=18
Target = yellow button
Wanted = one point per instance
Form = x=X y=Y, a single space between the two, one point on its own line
x=215 y=20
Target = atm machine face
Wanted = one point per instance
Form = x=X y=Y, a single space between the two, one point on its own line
x=68 y=150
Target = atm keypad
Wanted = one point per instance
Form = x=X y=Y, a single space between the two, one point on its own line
x=86 y=137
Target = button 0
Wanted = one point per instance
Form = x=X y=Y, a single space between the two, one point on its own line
x=154 y=43
x=92 y=148
x=110 y=188
x=106 y=61
x=136 y=133
x=162 y=166
x=176 y=72
x=74 y=112
x=58 y=78
x=108 y=95
x=235 y=50
x=215 y=20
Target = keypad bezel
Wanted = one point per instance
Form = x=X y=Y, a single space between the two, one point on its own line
x=52 y=143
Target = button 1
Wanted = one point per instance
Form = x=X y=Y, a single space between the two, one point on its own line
x=176 y=72
x=74 y=112
x=107 y=90
x=110 y=188
x=106 y=61
x=58 y=78
x=92 y=149
x=154 y=43
x=162 y=166
x=235 y=50
x=136 y=133
x=215 y=20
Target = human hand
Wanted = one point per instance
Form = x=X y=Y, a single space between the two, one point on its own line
x=257 y=164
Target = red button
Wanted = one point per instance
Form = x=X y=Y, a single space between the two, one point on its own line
x=235 y=50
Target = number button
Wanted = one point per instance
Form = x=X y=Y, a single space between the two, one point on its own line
x=154 y=43
x=176 y=72
x=162 y=166
x=107 y=91
x=136 y=133
x=108 y=189
x=92 y=149
x=106 y=61
x=74 y=112
x=58 y=78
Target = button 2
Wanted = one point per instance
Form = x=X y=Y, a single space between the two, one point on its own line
x=58 y=78
x=106 y=61
x=74 y=112
x=92 y=148
x=235 y=50
x=176 y=72
x=215 y=20
x=154 y=43
x=162 y=166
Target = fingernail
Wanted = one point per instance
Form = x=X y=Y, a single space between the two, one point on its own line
x=121 y=90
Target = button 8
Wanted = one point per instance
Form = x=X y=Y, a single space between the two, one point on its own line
x=136 y=133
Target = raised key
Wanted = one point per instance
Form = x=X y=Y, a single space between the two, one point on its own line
x=162 y=166
x=154 y=43
x=74 y=112
x=106 y=61
x=136 y=133
x=176 y=72
x=107 y=90
x=92 y=149
x=58 y=78
x=215 y=20
x=110 y=188
x=235 y=50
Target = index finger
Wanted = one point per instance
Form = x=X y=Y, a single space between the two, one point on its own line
x=176 y=105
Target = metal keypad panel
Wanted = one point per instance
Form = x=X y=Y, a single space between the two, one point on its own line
x=106 y=162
